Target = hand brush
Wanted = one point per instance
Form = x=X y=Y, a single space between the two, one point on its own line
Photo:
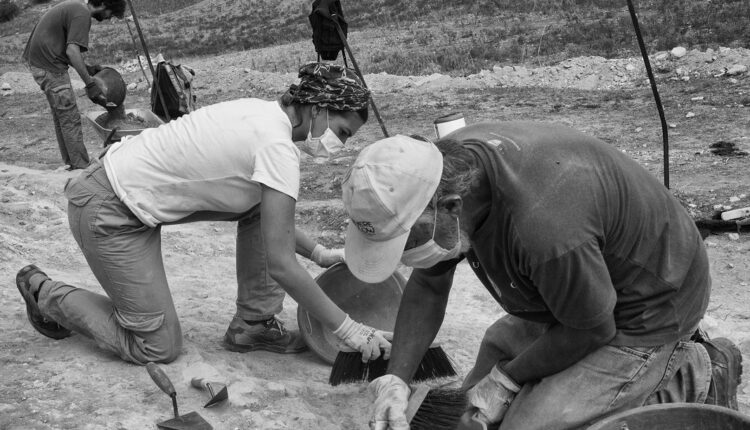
x=349 y=368
x=440 y=409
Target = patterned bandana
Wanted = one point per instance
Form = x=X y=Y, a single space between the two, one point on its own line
x=330 y=86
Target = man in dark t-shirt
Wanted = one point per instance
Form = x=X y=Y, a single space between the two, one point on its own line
x=602 y=273
x=57 y=42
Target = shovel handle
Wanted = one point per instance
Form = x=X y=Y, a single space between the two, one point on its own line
x=161 y=379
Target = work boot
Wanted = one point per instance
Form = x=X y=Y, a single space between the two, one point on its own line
x=43 y=325
x=269 y=335
x=726 y=371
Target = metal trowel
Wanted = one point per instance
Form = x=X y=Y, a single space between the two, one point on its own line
x=217 y=391
x=189 y=421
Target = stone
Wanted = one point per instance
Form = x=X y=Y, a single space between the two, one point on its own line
x=5 y=86
x=733 y=236
x=736 y=69
x=629 y=67
x=590 y=82
x=132 y=86
x=661 y=56
x=689 y=114
x=734 y=199
x=672 y=125
x=695 y=99
x=678 y=52
x=724 y=50
x=638 y=129
x=276 y=387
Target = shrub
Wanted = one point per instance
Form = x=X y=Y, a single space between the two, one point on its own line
x=8 y=10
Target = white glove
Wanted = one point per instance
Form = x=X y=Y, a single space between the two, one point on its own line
x=325 y=257
x=391 y=399
x=492 y=396
x=364 y=339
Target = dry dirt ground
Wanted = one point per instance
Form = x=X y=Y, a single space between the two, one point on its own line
x=70 y=384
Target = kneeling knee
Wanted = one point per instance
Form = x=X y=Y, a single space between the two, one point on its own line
x=154 y=337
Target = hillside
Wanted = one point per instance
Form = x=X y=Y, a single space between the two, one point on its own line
x=415 y=37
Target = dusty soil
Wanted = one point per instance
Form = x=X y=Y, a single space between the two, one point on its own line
x=70 y=384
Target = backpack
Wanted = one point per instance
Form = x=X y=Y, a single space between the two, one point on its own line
x=175 y=84
x=323 y=18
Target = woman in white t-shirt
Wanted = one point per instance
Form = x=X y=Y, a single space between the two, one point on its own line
x=238 y=161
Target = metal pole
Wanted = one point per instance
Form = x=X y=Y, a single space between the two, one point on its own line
x=664 y=128
x=356 y=68
x=148 y=58
x=137 y=54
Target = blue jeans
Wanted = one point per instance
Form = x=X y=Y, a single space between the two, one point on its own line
x=609 y=380
x=67 y=120
x=137 y=318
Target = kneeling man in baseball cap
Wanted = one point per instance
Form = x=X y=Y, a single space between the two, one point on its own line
x=601 y=272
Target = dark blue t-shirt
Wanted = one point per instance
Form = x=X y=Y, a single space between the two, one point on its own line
x=63 y=24
x=577 y=232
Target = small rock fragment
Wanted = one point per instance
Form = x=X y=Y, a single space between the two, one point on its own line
x=678 y=52
x=736 y=69
x=690 y=115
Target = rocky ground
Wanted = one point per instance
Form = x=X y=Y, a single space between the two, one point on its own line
x=70 y=384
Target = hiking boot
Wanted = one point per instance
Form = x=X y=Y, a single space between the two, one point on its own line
x=269 y=335
x=726 y=371
x=43 y=325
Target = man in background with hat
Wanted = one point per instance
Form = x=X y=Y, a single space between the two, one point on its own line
x=57 y=42
x=602 y=273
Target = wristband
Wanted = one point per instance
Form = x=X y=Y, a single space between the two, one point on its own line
x=315 y=254
x=345 y=328
x=503 y=379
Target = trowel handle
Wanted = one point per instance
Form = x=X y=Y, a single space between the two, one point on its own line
x=199 y=383
x=160 y=378
x=204 y=384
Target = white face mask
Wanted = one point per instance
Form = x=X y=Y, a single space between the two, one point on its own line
x=324 y=146
x=430 y=253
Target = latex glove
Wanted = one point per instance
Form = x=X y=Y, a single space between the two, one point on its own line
x=325 y=257
x=364 y=339
x=391 y=397
x=95 y=94
x=93 y=69
x=492 y=396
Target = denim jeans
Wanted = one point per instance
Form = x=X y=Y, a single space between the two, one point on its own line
x=62 y=101
x=609 y=380
x=137 y=318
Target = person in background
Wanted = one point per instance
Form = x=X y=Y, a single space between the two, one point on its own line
x=602 y=274
x=233 y=161
x=57 y=42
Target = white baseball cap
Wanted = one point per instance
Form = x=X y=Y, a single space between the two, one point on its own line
x=387 y=189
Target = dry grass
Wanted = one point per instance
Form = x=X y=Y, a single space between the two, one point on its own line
x=420 y=36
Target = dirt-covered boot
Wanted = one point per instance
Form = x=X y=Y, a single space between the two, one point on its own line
x=726 y=372
x=269 y=335
x=29 y=293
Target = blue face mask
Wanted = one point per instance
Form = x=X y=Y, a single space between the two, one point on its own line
x=430 y=253
x=324 y=146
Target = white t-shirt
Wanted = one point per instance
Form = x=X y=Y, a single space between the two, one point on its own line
x=210 y=160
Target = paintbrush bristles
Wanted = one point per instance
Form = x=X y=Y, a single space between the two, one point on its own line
x=441 y=409
x=349 y=368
